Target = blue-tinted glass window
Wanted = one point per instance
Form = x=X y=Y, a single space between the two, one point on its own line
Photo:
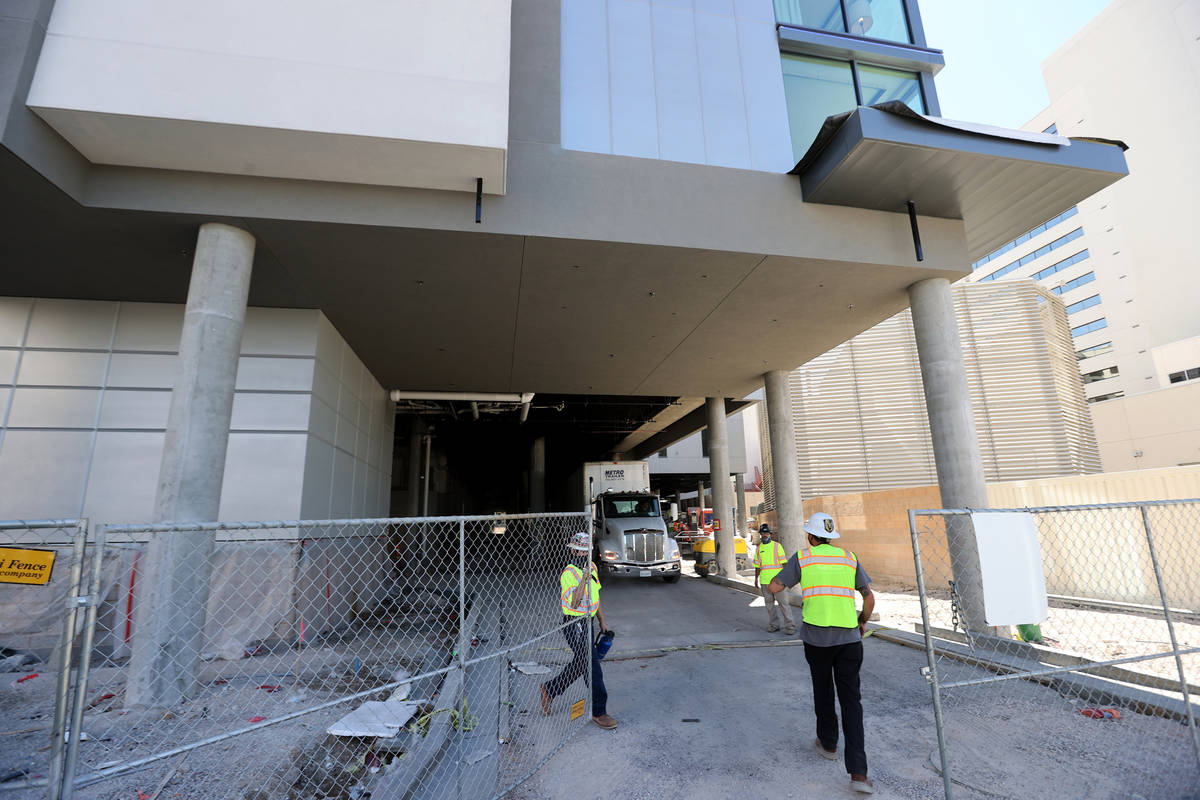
x=878 y=19
x=1036 y=254
x=879 y=84
x=815 y=88
x=1025 y=237
x=1059 y=266
x=1075 y=283
x=825 y=15
x=1052 y=129
x=1087 y=302
x=1089 y=327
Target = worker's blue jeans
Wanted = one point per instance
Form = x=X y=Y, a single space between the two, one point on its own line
x=839 y=666
x=578 y=634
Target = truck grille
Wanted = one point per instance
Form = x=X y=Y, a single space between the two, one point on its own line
x=644 y=546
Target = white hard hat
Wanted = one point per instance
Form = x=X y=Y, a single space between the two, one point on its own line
x=580 y=542
x=821 y=525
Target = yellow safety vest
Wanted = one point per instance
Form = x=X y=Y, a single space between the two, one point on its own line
x=827 y=586
x=769 y=559
x=570 y=578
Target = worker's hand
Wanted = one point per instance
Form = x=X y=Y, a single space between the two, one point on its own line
x=862 y=628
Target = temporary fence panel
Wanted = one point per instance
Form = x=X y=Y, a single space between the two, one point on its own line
x=42 y=568
x=396 y=657
x=1103 y=677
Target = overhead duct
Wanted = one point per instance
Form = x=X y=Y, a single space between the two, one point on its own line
x=399 y=395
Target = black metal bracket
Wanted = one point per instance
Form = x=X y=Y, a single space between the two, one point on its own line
x=916 y=232
x=479 y=200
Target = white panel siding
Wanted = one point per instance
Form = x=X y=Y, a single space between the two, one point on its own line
x=677 y=80
x=631 y=54
x=702 y=77
x=586 y=118
x=724 y=102
x=85 y=424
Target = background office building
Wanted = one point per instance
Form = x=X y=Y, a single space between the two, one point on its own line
x=1125 y=260
x=859 y=410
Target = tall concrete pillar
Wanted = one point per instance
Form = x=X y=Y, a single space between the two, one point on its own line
x=537 y=476
x=952 y=427
x=700 y=503
x=174 y=581
x=739 y=488
x=415 y=454
x=718 y=473
x=781 y=428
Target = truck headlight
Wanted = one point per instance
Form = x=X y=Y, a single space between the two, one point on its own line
x=675 y=554
x=609 y=555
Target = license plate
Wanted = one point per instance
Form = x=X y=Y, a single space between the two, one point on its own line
x=645 y=573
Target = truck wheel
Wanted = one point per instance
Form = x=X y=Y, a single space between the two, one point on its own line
x=670 y=578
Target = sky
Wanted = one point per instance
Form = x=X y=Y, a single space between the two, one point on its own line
x=994 y=53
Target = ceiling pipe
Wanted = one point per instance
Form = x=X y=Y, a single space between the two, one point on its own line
x=398 y=395
x=475 y=411
x=525 y=408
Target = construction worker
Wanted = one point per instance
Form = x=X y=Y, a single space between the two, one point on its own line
x=769 y=558
x=580 y=601
x=832 y=634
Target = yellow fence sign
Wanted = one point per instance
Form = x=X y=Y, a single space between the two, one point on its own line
x=25 y=566
x=577 y=710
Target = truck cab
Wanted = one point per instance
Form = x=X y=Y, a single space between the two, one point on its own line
x=631 y=536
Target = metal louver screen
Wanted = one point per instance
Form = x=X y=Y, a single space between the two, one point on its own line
x=859 y=409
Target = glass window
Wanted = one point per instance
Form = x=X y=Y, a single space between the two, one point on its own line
x=1088 y=327
x=1075 y=283
x=824 y=15
x=880 y=84
x=878 y=19
x=1094 y=350
x=815 y=88
x=1178 y=377
x=631 y=507
x=1102 y=397
x=1087 y=302
x=1100 y=374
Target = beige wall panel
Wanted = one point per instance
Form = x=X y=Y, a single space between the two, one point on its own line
x=141 y=370
x=264 y=476
x=77 y=324
x=53 y=368
x=42 y=473
x=14 y=315
x=122 y=481
x=135 y=409
x=149 y=326
x=54 y=408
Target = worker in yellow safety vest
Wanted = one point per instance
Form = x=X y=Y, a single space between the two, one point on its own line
x=580 y=602
x=832 y=632
x=769 y=558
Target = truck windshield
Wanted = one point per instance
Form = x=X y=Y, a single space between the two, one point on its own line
x=630 y=507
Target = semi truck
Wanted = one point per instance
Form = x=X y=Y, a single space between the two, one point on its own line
x=629 y=534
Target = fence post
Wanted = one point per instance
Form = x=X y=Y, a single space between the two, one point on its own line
x=932 y=675
x=85 y=661
x=1162 y=591
x=62 y=692
x=463 y=642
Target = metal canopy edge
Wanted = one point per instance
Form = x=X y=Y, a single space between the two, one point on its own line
x=1000 y=182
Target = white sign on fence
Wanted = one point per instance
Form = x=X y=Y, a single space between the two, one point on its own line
x=1014 y=583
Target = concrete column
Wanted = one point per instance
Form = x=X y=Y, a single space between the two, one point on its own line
x=718 y=473
x=413 y=506
x=739 y=488
x=952 y=426
x=537 y=476
x=781 y=428
x=175 y=572
x=700 y=503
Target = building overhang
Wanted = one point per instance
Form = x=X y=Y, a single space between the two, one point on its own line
x=999 y=182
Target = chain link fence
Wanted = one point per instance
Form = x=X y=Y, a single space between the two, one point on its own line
x=1063 y=641
x=393 y=658
x=41 y=573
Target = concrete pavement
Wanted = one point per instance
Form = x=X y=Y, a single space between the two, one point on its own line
x=753 y=703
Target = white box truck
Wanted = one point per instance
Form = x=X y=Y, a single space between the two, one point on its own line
x=629 y=534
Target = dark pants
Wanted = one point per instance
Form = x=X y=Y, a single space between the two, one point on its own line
x=838 y=666
x=577 y=634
